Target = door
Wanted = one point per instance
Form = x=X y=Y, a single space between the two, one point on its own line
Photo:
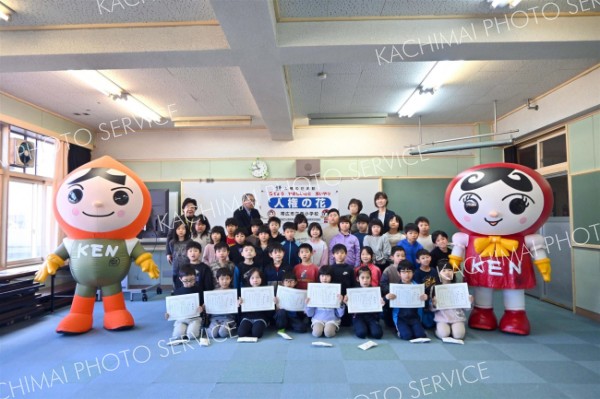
x=557 y=234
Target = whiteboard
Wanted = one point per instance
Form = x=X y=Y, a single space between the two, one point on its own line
x=217 y=200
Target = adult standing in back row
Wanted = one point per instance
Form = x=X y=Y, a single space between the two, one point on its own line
x=382 y=213
x=245 y=213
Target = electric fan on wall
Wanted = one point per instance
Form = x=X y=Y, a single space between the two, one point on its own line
x=22 y=153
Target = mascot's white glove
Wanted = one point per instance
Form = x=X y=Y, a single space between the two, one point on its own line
x=147 y=264
x=51 y=265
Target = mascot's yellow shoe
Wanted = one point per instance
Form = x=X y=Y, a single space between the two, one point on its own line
x=116 y=317
x=79 y=319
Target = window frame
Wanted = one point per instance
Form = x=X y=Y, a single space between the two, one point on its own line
x=47 y=233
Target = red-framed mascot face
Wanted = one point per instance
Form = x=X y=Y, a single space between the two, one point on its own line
x=102 y=199
x=499 y=199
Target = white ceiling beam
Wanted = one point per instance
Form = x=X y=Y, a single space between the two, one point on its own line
x=431 y=40
x=250 y=28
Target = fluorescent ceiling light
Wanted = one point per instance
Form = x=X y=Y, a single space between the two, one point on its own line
x=5 y=12
x=107 y=87
x=213 y=121
x=416 y=102
x=468 y=146
x=137 y=108
x=97 y=81
x=440 y=74
x=504 y=3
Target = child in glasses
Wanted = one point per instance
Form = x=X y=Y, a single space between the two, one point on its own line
x=186 y=329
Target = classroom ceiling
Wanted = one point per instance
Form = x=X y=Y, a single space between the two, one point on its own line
x=202 y=58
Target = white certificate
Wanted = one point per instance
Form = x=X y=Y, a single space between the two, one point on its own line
x=364 y=300
x=452 y=296
x=291 y=299
x=221 y=301
x=407 y=295
x=323 y=295
x=255 y=299
x=181 y=307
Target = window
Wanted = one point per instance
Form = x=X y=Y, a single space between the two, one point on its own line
x=28 y=197
x=547 y=154
x=553 y=151
x=527 y=156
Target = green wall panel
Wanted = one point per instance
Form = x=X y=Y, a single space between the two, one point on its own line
x=583 y=149
x=587 y=275
x=585 y=193
x=411 y=198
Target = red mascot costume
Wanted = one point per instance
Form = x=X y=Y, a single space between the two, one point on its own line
x=498 y=208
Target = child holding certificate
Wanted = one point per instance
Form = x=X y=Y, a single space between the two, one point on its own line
x=253 y=324
x=221 y=325
x=325 y=320
x=449 y=322
x=407 y=320
x=285 y=318
x=186 y=329
x=366 y=323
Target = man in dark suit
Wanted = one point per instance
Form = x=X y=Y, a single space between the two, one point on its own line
x=245 y=213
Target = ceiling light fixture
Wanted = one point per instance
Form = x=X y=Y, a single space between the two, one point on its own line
x=107 y=87
x=415 y=102
x=213 y=121
x=5 y=12
x=346 y=119
x=468 y=146
x=504 y=3
x=441 y=72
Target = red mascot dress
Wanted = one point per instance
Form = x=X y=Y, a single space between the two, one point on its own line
x=498 y=208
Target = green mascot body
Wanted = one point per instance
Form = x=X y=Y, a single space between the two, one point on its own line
x=101 y=207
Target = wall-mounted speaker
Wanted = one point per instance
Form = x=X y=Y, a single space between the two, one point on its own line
x=308 y=167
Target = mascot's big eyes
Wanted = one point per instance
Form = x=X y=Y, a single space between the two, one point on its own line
x=471 y=205
x=121 y=197
x=75 y=196
x=518 y=205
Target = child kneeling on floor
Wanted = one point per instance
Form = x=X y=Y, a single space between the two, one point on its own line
x=325 y=320
x=449 y=322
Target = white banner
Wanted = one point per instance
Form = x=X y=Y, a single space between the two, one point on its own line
x=286 y=200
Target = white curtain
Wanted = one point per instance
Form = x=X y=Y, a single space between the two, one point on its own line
x=61 y=168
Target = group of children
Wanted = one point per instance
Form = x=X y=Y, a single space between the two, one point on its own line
x=232 y=259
